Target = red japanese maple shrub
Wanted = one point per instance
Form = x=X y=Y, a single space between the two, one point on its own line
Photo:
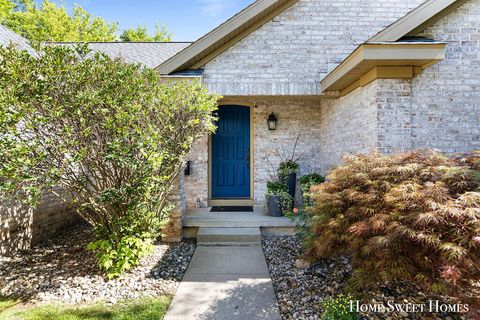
x=412 y=217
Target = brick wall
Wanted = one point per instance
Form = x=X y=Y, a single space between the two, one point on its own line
x=440 y=107
x=348 y=125
x=196 y=184
x=446 y=96
x=21 y=227
x=290 y=54
x=394 y=115
x=294 y=118
x=173 y=230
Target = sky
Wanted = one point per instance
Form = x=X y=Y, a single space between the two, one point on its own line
x=187 y=20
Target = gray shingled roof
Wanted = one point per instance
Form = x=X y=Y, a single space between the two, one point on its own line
x=149 y=54
x=8 y=37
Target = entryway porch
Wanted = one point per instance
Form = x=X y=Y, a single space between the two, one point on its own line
x=227 y=228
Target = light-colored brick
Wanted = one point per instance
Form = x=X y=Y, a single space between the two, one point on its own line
x=295 y=118
x=438 y=108
x=173 y=230
x=21 y=226
x=348 y=125
x=290 y=54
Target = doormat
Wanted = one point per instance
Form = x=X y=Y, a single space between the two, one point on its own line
x=232 y=209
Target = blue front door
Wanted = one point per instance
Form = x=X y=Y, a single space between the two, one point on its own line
x=231 y=154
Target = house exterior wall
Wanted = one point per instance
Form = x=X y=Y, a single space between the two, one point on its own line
x=21 y=226
x=348 y=125
x=196 y=184
x=295 y=118
x=173 y=232
x=440 y=107
x=446 y=96
x=290 y=54
x=394 y=115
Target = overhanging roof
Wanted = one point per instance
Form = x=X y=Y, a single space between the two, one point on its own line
x=8 y=37
x=369 y=56
x=417 y=20
x=148 y=54
x=225 y=36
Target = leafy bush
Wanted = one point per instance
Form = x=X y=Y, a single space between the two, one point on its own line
x=276 y=186
x=306 y=182
x=302 y=222
x=339 y=309
x=287 y=167
x=413 y=217
x=279 y=189
x=115 y=257
x=284 y=200
x=114 y=136
x=311 y=179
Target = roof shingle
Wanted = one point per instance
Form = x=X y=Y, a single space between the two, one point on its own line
x=149 y=54
x=8 y=37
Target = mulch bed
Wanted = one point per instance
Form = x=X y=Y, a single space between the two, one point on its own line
x=301 y=292
x=63 y=270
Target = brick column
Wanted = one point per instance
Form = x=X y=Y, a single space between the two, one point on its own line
x=173 y=230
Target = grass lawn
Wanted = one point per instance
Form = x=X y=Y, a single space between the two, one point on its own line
x=141 y=309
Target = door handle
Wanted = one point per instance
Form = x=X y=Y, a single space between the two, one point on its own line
x=247 y=159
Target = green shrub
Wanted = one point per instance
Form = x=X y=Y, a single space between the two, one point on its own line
x=413 y=217
x=306 y=182
x=115 y=257
x=284 y=199
x=114 y=136
x=287 y=167
x=311 y=179
x=339 y=309
x=302 y=222
x=276 y=186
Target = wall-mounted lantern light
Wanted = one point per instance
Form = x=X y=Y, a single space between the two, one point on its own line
x=272 y=122
x=188 y=168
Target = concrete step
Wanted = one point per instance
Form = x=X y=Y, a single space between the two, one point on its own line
x=228 y=236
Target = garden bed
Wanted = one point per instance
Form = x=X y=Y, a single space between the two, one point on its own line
x=63 y=270
x=301 y=292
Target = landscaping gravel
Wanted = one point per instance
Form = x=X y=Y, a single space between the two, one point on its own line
x=300 y=292
x=63 y=270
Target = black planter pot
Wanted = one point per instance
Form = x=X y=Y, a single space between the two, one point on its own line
x=291 y=181
x=274 y=207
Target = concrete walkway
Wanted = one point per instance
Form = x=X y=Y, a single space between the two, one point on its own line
x=225 y=283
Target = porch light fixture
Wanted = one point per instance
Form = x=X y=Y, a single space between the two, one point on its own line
x=272 y=122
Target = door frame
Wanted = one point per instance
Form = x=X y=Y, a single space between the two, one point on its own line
x=233 y=202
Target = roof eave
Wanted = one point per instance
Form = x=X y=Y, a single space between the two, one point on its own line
x=392 y=57
x=417 y=20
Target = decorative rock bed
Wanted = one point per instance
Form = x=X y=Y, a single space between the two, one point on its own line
x=63 y=270
x=300 y=292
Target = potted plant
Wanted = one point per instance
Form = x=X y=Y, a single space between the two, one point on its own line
x=306 y=182
x=278 y=199
x=287 y=172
